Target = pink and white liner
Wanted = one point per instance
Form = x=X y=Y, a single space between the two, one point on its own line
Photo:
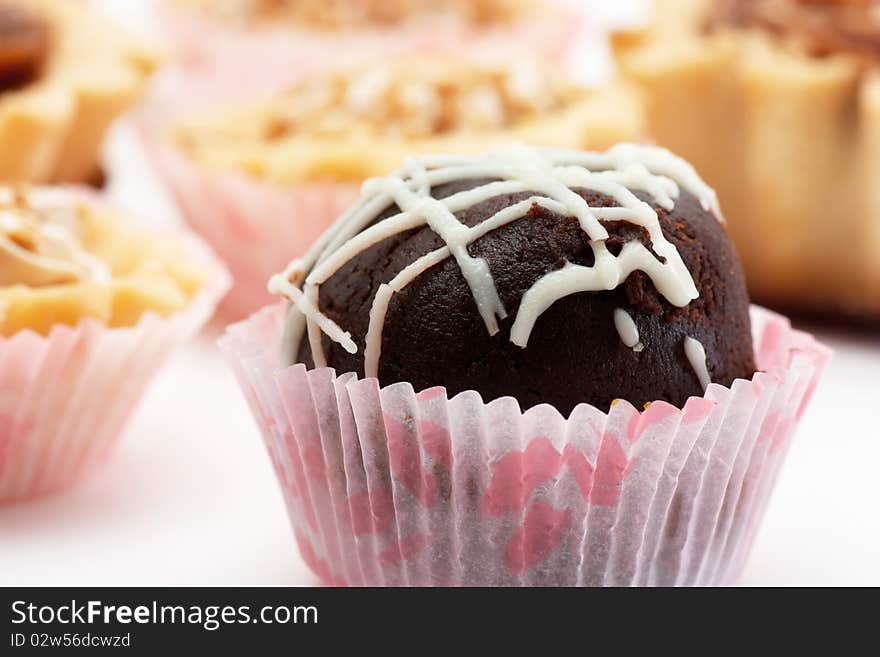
x=388 y=486
x=65 y=397
x=254 y=226
x=217 y=63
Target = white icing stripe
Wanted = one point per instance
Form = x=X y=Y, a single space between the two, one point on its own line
x=379 y=309
x=457 y=237
x=658 y=161
x=303 y=301
x=311 y=293
x=627 y=330
x=696 y=356
x=606 y=274
x=550 y=174
x=294 y=328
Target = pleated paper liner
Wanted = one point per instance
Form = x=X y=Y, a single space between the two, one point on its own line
x=255 y=227
x=65 y=397
x=216 y=64
x=393 y=487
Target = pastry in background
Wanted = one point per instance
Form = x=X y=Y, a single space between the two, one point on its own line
x=452 y=389
x=90 y=307
x=777 y=103
x=254 y=46
x=65 y=75
x=263 y=181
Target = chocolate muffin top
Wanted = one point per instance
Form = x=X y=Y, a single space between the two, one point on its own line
x=550 y=276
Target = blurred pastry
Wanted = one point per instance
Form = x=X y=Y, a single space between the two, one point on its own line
x=349 y=14
x=63 y=260
x=777 y=103
x=255 y=46
x=352 y=124
x=261 y=182
x=90 y=307
x=66 y=74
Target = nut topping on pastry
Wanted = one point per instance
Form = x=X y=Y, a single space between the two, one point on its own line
x=24 y=45
x=420 y=98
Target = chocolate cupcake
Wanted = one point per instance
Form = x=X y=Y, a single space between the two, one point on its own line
x=509 y=327
x=493 y=324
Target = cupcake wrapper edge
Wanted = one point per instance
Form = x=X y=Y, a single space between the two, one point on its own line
x=392 y=487
x=65 y=397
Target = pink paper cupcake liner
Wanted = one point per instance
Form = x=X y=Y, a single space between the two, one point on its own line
x=65 y=397
x=392 y=487
x=255 y=227
x=217 y=63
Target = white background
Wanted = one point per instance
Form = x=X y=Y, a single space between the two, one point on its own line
x=190 y=498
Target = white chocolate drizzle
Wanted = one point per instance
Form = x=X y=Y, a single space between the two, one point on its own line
x=696 y=355
x=549 y=175
x=627 y=330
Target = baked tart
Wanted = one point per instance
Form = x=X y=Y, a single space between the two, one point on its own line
x=274 y=174
x=65 y=75
x=257 y=46
x=90 y=308
x=777 y=103
x=348 y=14
x=63 y=260
x=353 y=124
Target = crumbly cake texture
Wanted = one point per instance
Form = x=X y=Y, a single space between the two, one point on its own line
x=789 y=98
x=65 y=257
x=66 y=74
x=351 y=124
x=550 y=276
